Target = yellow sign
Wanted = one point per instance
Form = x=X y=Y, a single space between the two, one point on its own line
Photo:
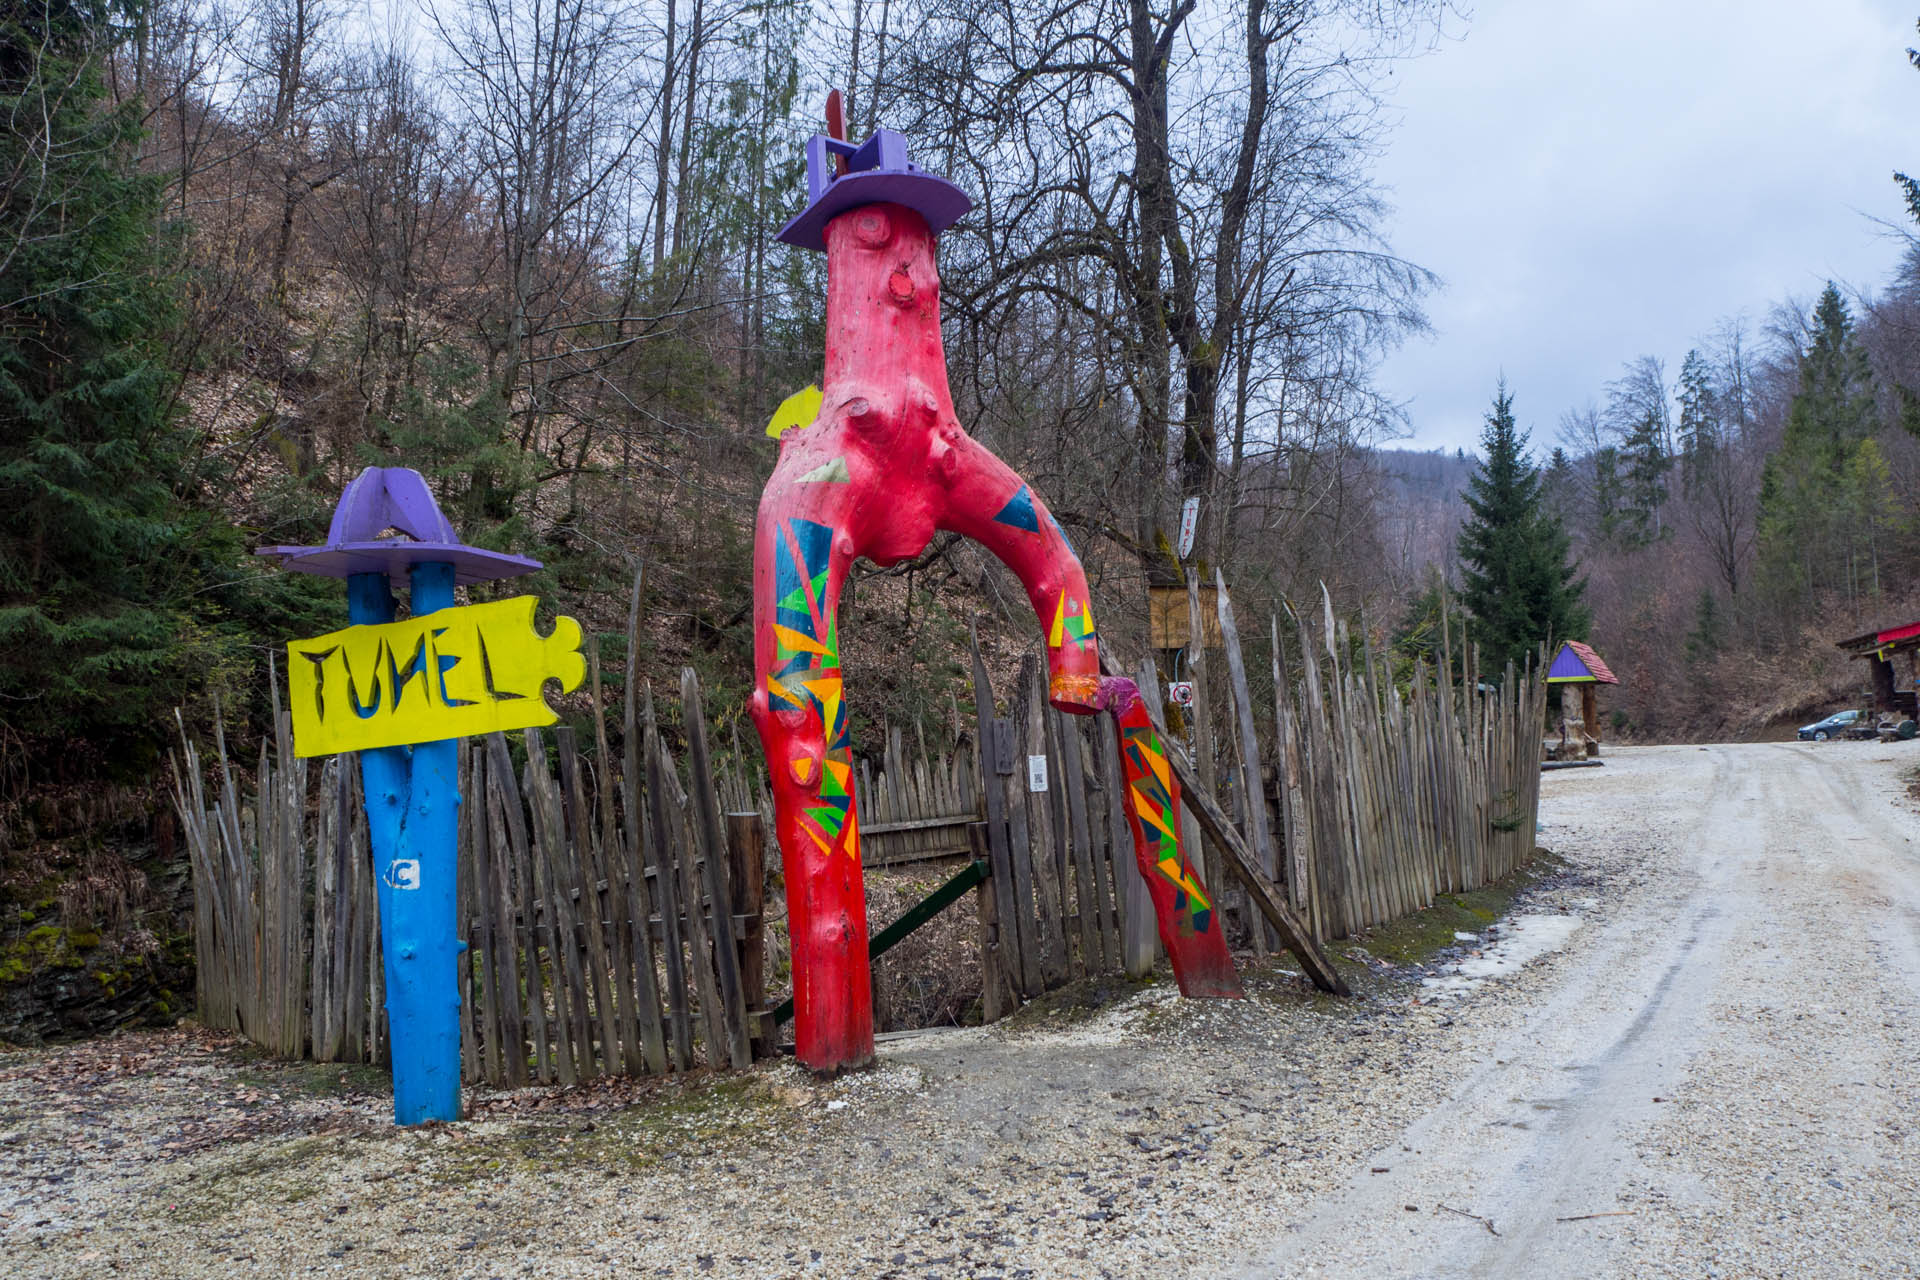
x=450 y=674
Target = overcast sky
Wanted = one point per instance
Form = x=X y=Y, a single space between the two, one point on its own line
x=1597 y=179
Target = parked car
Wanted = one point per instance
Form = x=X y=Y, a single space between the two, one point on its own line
x=1832 y=727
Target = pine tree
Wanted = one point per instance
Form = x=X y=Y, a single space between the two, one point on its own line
x=1518 y=583
x=1645 y=482
x=1699 y=420
x=1709 y=629
x=119 y=598
x=1809 y=537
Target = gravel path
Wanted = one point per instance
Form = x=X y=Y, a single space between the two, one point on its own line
x=1720 y=1052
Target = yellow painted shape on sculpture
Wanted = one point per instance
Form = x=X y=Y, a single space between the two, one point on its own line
x=797 y=410
x=480 y=668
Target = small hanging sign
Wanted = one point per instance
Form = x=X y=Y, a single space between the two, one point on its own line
x=1189 y=521
x=1180 y=693
x=1036 y=773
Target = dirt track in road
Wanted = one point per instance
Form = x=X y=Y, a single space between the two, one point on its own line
x=1721 y=1057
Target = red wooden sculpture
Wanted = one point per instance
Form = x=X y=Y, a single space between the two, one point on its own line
x=883 y=466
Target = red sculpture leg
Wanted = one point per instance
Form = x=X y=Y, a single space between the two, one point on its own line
x=1190 y=924
x=800 y=563
x=988 y=502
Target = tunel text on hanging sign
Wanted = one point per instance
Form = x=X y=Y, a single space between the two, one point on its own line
x=478 y=668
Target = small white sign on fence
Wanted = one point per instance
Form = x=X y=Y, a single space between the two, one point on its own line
x=1036 y=773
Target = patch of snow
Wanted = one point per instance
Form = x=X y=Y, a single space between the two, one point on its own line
x=1514 y=943
x=1465 y=937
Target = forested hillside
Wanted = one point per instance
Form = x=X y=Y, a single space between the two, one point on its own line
x=525 y=247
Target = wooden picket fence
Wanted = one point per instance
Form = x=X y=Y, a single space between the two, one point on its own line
x=1064 y=899
x=613 y=904
x=587 y=897
x=1363 y=796
x=1388 y=796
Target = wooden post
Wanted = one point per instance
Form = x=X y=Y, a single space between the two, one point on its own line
x=706 y=819
x=747 y=851
x=995 y=1000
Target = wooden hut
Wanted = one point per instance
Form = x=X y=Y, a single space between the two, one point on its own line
x=1893 y=693
x=1578 y=670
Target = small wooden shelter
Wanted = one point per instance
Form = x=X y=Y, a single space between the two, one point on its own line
x=1578 y=671
x=1892 y=696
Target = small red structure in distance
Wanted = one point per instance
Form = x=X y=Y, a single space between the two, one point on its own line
x=1578 y=662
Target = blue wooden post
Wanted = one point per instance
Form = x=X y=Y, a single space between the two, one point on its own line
x=413 y=807
x=412 y=793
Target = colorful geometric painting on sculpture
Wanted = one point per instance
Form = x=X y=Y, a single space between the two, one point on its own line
x=475 y=669
x=806 y=677
x=1072 y=621
x=1156 y=803
x=1190 y=927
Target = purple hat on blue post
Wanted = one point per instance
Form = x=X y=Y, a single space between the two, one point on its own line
x=878 y=171
x=383 y=498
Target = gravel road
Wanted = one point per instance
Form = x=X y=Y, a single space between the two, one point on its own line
x=1709 y=1071
x=1726 y=1065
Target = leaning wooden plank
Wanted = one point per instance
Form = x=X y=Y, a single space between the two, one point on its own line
x=713 y=842
x=1239 y=858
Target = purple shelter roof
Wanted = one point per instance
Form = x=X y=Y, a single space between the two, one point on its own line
x=877 y=171
x=383 y=498
x=1577 y=662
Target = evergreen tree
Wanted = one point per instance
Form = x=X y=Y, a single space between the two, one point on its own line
x=1699 y=420
x=1810 y=535
x=1709 y=628
x=1645 y=481
x=118 y=597
x=1518 y=583
x=1609 y=516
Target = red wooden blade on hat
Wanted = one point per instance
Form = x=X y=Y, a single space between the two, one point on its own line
x=837 y=127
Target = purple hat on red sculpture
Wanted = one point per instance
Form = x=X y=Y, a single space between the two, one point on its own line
x=383 y=498
x=877 y=171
